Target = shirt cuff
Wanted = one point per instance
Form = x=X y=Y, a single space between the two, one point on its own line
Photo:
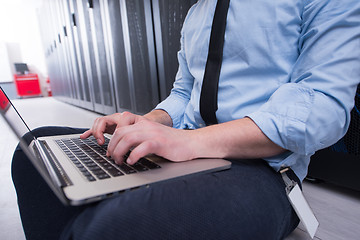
x=284 y=117
x=175 y=107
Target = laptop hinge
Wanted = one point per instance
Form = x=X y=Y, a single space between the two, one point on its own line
x=56 y=172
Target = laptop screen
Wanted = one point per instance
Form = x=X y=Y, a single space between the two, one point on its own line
x=4 y=102
x=19 y=127
x=11 y=116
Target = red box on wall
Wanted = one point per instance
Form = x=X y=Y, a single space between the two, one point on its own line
x=27 y=84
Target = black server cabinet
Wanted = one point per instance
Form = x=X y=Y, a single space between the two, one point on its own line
x=92 y=41
x=116 y=50
x=103 y=83
x=141 y=57
x=57 y=68
x=132 y=54
x=64 y=60
x=65 y=32
x=81 y=53
x=168 y=20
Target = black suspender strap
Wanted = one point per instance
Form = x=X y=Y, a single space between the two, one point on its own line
x=209 y=90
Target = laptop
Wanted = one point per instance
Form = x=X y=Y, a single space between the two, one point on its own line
x=78 y=172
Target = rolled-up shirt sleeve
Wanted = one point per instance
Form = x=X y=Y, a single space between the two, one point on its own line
x=175 y=104
x=313 y=110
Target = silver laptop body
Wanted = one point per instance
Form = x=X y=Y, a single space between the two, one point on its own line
x=69 y=173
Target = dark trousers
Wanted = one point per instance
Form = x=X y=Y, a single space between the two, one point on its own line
x=246 y=202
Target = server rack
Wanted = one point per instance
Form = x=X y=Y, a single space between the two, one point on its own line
x=112 y=55
x=103 y=87
x=132 y=55
x=168 y=19
x=67 y=92
x=70 y=59
x=116 y=53
x=81 y=52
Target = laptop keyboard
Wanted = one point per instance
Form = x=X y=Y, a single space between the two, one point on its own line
x=90 y=158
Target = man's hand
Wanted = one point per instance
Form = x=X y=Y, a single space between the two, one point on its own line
x=108 y=124
x=148 y=134
x=147 y=137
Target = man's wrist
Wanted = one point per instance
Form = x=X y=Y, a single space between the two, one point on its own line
x=159 y=116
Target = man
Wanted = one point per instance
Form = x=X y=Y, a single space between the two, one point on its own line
x=287 y=83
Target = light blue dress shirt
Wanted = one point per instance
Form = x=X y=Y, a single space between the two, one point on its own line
x=292 y=66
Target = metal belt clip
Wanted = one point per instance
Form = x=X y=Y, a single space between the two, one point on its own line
x=290 y=184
